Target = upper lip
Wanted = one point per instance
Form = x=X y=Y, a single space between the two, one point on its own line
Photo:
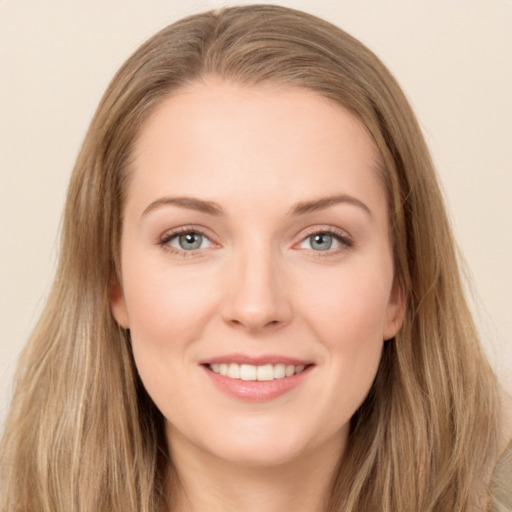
x=259 y=360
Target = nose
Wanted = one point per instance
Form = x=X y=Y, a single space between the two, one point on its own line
x=256 y=297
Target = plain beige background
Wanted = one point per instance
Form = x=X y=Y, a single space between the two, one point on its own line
x=452 y=58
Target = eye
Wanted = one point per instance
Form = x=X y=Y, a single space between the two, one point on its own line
x=320 y=242
x=189 y=241
x=186 y=241
x=325 y=241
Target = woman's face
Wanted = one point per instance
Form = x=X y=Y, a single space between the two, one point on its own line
x=257 y=270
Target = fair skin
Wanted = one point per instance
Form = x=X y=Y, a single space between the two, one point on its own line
x=278 y=258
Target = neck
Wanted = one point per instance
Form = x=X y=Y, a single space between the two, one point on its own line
x=209 y=483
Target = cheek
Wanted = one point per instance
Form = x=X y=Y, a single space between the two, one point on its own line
x=168 y=310
x=347 y=314
x=166 y=303
x=349 y=306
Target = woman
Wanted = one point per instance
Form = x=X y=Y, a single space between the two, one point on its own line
x=251 y=310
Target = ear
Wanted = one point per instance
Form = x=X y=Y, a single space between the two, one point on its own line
x=117 y=303
x=395 y=313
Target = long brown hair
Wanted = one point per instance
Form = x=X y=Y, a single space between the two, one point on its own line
x=83 y=435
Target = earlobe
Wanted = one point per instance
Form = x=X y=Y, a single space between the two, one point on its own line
x=395 y=313
x=117 y=303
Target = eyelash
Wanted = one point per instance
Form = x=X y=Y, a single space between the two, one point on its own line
x=342 y=237
x=339 y=235
x=183 y=230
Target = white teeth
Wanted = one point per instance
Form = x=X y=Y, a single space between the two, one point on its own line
x=265 y=372
x=290 y=370
x=279 y=371
x=250 y=372
x=233 y=371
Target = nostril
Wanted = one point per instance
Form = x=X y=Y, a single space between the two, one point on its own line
x=256 y=308
x=254 y=323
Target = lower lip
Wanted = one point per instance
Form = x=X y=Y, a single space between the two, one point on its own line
x=257 y=391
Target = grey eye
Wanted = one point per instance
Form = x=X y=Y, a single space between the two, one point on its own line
x=189 y=241
x=320 y=241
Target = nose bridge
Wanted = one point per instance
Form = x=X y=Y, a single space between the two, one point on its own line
x=257 y=296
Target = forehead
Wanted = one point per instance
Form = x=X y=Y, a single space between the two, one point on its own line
x=224 y=140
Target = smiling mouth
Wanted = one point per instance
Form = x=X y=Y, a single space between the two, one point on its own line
x=257 y=378
x=249 y=372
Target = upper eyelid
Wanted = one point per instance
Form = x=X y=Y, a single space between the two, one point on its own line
x=171 y=233
x=331 y=230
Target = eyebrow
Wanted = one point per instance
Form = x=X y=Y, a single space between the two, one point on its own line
x=212 y=208
x=191 y=203
x=325 y=202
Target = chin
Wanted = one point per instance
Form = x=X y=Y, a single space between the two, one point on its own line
x=258 y=443
x=258 y=453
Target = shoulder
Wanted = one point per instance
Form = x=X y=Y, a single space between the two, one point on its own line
x=505 y=422
x=501 y=481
